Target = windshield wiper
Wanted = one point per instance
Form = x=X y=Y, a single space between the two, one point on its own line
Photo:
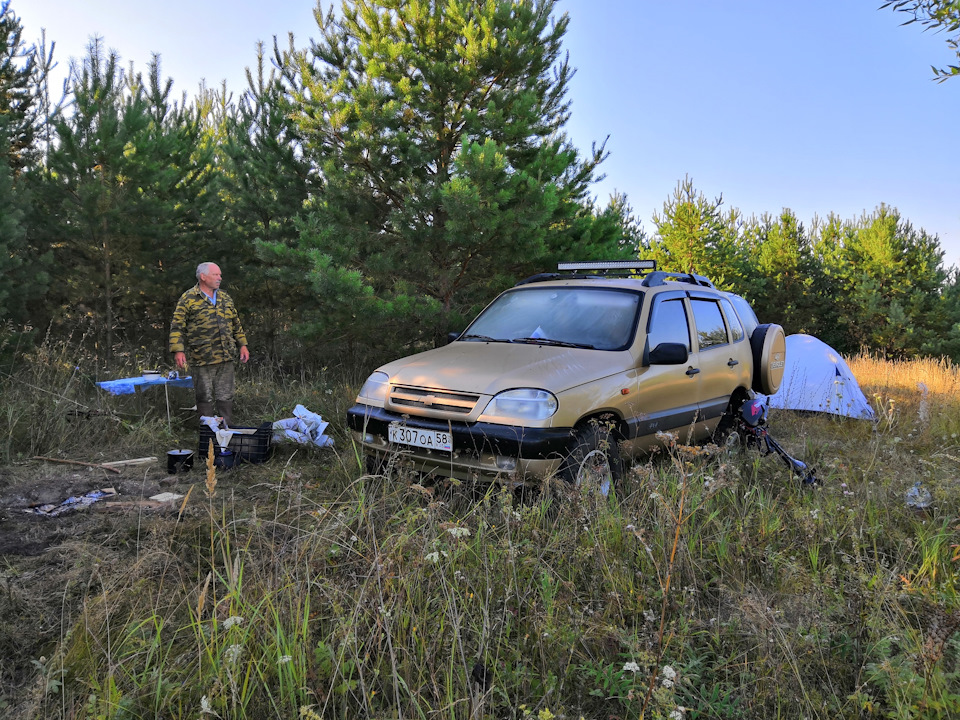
x=485 y=338
x=554 y=343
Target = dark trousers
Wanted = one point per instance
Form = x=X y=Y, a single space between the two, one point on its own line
x=214 y=383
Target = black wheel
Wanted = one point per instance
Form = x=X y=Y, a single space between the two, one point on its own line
x=729 y=420
x=374 y=464
x=594 y=458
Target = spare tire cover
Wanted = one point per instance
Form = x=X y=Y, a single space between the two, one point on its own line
x=769 y=345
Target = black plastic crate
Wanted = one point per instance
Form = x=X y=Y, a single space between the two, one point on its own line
x=254 y=447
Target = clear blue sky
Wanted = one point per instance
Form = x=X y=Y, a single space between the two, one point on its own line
x=818 y=106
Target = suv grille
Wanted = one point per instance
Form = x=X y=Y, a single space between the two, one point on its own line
x=414 y=397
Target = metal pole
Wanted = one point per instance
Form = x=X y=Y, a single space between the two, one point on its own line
x=166 y=392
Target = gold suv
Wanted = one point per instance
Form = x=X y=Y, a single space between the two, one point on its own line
x=570 y=372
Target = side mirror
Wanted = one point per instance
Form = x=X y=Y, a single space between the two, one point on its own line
x=451 y=336
x=669 y=354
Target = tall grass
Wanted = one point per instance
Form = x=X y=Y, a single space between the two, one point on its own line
x=940 y=375
x=50 y=404
x=920 y=398
x=711 y=585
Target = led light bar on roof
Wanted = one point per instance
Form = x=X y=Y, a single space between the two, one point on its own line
x=609 y=265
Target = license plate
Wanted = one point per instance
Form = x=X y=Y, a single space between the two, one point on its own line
x=418 y=437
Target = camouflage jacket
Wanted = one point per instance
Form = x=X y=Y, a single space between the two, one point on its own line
x=208 y=333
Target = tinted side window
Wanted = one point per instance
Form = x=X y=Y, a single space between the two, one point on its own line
x=736 y=329
x=711 y=330
x=669 y=324
x=747 y=316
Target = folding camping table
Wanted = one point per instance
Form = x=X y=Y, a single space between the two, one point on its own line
x=129 y=386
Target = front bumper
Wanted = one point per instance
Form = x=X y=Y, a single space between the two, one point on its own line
x=483 y=449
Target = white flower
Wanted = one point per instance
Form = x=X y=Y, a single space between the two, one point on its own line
x=231 y=621
x=206 y=708
x=284 y=659
x=669 y=675
x=459 y=532
x=677 y=714
x=631 y=667
x=433 y=557
x=232 y=653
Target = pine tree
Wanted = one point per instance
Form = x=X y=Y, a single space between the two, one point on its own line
x=262 y=182
x=11 y=240
x=784 y=273
x=442 y=171
x=125 y=174
x=22 y=277
x=946 y=340
x=694 y=235
x=19 y=94
x=888 y=279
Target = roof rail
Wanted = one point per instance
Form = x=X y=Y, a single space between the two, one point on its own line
x=647 y=269
x=660 y=277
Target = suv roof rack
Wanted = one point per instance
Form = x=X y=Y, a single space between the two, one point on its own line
x=660 y=277
x=647 y=269
x=595 y=268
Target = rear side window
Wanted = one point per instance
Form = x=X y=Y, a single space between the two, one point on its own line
x=669 y=324
x=736 y=329
x=747 y=316
x=711 y=330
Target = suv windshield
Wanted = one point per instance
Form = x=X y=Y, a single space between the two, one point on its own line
x=602 y=319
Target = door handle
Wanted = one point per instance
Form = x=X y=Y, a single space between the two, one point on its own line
x=731 y=362
x=691 y=371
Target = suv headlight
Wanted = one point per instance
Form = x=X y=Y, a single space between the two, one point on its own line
x=374 y=390
x=523 y=404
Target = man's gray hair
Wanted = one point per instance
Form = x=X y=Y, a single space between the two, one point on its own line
x=202 y=268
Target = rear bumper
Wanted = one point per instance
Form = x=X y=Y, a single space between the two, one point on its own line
x=481 y=449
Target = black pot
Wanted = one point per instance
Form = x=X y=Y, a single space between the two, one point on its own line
x=226 y=459
x=179 y=461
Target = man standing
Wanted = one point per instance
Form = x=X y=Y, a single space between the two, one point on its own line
x=206 y=323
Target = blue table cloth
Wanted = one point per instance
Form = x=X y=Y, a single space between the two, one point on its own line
x=128 y=386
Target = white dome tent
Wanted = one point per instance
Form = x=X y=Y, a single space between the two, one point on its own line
x=816 y=378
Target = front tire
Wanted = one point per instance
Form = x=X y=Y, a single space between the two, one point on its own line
x=374 y=464
x=594 y=458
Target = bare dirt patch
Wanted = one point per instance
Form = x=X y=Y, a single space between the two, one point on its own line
x=48 y=565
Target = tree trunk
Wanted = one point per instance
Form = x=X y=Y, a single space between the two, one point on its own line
x=108 y=295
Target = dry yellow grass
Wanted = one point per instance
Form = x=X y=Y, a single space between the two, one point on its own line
x=924 y=389
x=940 y=375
